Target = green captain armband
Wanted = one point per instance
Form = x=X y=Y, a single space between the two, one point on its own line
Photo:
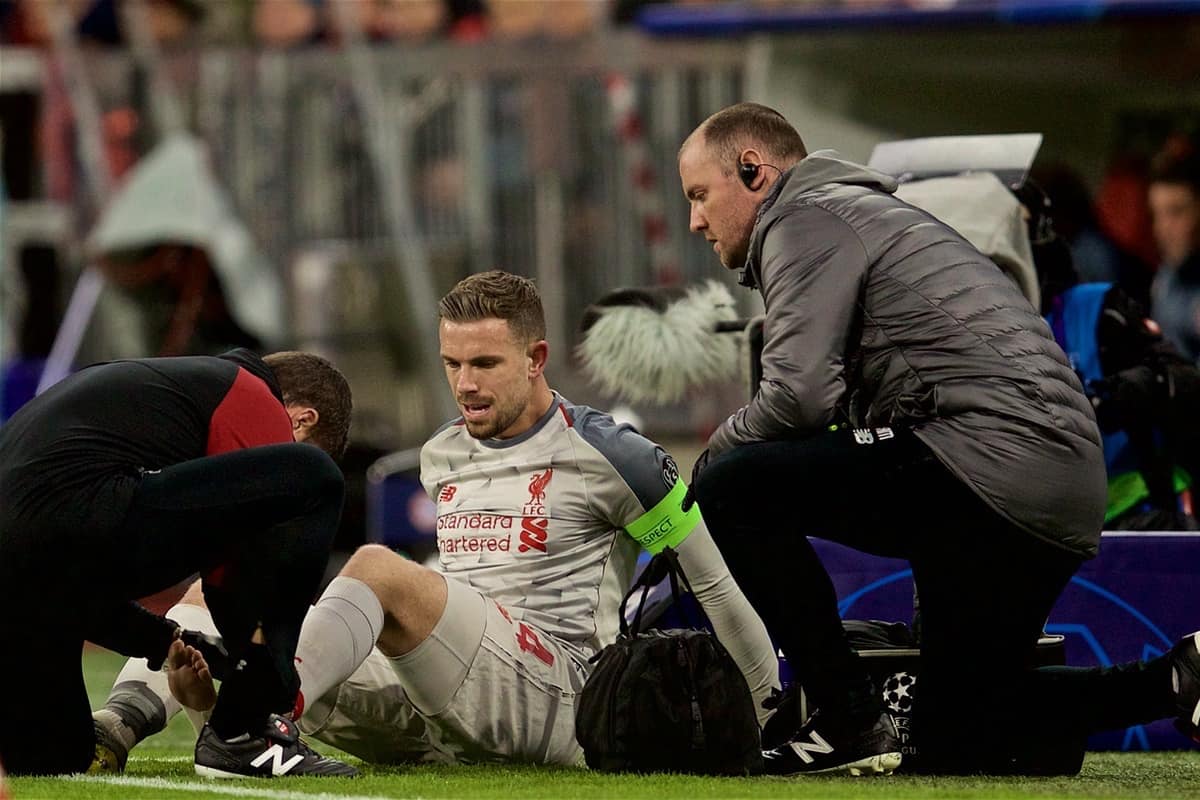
x=667 y=524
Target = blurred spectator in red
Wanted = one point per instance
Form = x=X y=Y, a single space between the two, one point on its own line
x=1096 y=257
x=467 y=20
x=1174 y=200
x=28 y=22
x=1122 y=210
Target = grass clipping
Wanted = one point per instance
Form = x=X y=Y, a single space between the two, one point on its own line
x=653 y=345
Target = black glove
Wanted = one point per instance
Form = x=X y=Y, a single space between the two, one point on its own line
x=213 y=651
x=1128 y=398
x=700 y=465
x=690 y=497
x=155 y=662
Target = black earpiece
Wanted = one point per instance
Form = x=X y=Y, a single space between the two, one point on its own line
x=748 y=172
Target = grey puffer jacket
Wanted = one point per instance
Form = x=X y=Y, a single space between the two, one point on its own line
x=878 y=314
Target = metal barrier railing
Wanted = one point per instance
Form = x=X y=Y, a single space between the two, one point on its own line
x=515 y=157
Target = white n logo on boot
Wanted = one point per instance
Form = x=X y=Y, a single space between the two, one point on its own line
x=818 y=746
x=279 y=766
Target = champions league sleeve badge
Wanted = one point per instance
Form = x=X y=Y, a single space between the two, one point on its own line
x=670 y=472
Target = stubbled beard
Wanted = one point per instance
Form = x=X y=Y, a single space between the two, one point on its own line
x=502 y=420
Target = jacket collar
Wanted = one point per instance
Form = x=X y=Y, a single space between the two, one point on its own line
x=820 y=168
x=748 y=277
x=256 y=367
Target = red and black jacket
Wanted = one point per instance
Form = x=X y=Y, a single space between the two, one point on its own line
x=73 y=456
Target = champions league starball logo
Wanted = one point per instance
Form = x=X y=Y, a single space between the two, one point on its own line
x=898 y=691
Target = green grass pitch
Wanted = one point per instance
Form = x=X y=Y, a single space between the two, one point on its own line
x=161 y=768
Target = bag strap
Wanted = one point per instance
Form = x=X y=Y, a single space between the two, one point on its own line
x=662 y=565
x=644 y=582
x=676 y=573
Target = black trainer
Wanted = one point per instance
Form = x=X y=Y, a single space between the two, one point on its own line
x=279 y=751
x=1185 y=682
x=817 y=748
x=785 y=721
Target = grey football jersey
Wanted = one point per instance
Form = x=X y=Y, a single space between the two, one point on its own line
x=538 y=522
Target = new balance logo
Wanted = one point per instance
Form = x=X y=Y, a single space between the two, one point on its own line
x=818 y=746
x=447 y=493
x=869 y=436
x=274 y=754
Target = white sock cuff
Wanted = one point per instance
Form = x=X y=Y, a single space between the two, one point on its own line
x=193 y=618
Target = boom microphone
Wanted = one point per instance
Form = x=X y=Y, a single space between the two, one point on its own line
x=653 y=344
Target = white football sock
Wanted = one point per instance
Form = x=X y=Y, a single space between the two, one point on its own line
x=135 y=672
x=337 y=636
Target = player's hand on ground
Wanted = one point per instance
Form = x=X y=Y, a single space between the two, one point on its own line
x=189 y=678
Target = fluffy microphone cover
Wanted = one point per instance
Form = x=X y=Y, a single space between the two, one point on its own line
x=652 y=345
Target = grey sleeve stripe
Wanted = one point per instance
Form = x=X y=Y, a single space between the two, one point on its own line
x=642 y=464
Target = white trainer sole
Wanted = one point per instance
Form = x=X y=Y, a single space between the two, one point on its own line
x=881 y=764
x=213 y=772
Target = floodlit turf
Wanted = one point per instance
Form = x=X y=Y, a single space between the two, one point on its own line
x=161 y=768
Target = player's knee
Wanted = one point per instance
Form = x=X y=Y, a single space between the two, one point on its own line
x=393 y=578
x=374 y=565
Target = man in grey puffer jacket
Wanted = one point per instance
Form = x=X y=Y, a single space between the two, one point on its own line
x=912 y=404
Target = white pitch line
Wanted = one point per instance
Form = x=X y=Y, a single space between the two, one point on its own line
x=216 y=788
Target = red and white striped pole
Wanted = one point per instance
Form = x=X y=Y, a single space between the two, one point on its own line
x=631 y=134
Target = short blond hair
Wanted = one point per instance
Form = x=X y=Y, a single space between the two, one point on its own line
x=497 y=295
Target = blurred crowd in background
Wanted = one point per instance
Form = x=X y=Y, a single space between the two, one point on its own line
x=294 y=23
x=1136 y=225
x=513 y=175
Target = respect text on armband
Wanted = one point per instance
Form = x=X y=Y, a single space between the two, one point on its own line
x=667 y=524
x=661 y=529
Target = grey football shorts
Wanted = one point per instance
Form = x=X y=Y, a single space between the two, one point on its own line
x=483 y=686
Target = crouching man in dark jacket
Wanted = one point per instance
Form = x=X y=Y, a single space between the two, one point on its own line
x=912 y=404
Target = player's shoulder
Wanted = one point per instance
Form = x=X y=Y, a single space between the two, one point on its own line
x=604 y=432
x=639 y=461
